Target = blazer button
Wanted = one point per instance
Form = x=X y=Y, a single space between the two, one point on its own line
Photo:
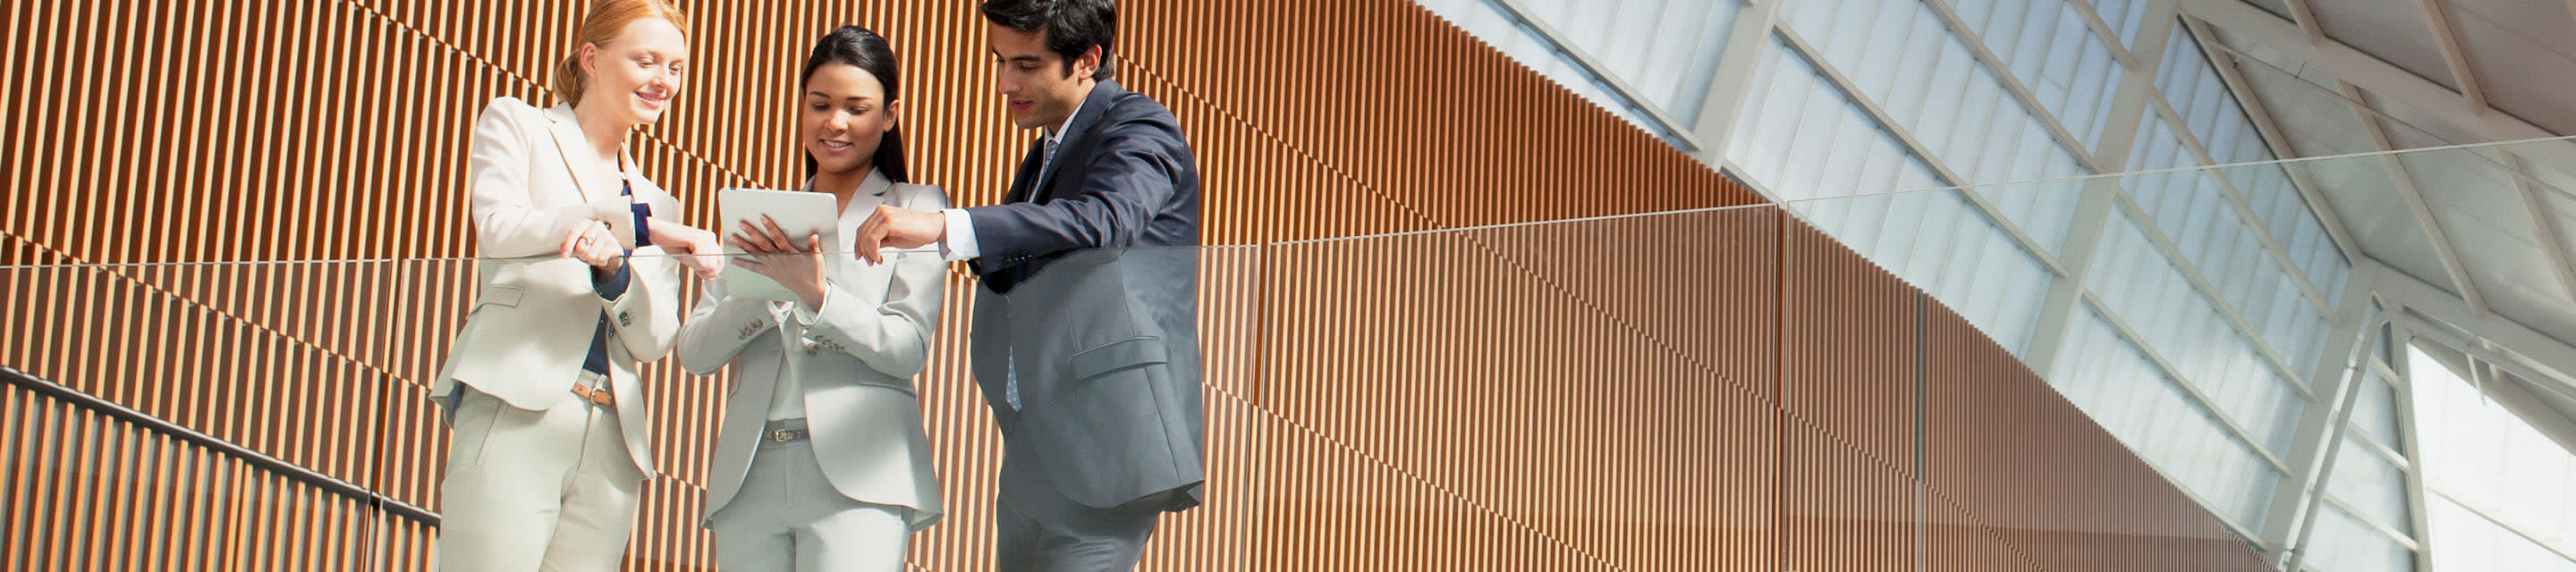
x=625 y=319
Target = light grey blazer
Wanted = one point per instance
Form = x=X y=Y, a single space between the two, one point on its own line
x=534 y=312
x=855 y=363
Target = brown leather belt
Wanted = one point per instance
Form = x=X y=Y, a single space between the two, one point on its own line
x=599 y=397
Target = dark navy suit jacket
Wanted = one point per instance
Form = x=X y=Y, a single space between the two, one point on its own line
x=1089 y=289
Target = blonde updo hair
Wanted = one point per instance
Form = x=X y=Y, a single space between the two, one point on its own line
x=606 y=20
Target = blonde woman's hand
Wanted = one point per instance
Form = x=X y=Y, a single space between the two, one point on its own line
x=594 y=245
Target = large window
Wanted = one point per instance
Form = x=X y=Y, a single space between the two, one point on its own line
x=1801 y=135
x=1664 y=50
x=2499 y=494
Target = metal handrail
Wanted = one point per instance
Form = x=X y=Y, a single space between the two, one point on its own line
x=327 y=483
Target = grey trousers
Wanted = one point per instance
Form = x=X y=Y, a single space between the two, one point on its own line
x=788 y=517
x=1100 y=542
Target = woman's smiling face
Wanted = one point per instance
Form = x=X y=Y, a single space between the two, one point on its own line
x=843 y=116
x=637 y=74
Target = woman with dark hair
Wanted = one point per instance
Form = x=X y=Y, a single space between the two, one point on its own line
x=821 y=463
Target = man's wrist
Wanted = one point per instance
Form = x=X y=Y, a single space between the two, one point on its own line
x=957 y=235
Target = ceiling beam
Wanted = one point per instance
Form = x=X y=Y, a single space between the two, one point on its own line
x=2452 y=264
x=2380 y=78
x=2306 y=17
x=2546 y=355
x=2543 y=226
x=2448 y=39
x=2521 y=390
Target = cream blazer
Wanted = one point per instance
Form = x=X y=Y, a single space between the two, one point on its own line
x=854 y=358
x=534 y=311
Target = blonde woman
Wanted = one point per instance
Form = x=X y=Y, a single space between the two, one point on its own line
x=821 y=463
x=550 y=428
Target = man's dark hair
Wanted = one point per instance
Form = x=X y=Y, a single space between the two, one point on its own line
x=1070 y=26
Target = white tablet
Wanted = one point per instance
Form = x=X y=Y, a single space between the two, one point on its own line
x=797 y=212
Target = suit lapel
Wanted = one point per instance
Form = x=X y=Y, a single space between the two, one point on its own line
x=845 y=234
x=1024 y=181
x=1077 y=134
x=582 y=166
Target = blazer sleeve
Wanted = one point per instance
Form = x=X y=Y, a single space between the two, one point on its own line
x=1135 y=171
x=892 y=335
x=719 y=327
x=647 y=316
x=506 y=222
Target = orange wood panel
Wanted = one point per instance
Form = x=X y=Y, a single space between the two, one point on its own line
x=2040 y=480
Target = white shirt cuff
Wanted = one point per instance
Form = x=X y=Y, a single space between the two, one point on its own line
x=808 y=316
x=960 y=244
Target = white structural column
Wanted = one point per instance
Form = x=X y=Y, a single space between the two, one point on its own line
x=2322 y=425
x=2093 y=211
x=1733 y=82
x=2401 y=377
x=1618 y=87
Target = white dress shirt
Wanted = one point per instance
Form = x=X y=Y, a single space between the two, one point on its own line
x=960 y=243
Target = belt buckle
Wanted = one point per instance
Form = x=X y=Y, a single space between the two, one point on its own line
x=782 y=435
x=596 y=396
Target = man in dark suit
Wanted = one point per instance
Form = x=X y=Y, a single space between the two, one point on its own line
x=1084 y=335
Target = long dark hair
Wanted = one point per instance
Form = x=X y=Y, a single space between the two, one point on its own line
x=857 y=47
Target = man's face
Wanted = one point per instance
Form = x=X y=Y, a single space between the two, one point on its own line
x=1034 y=81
